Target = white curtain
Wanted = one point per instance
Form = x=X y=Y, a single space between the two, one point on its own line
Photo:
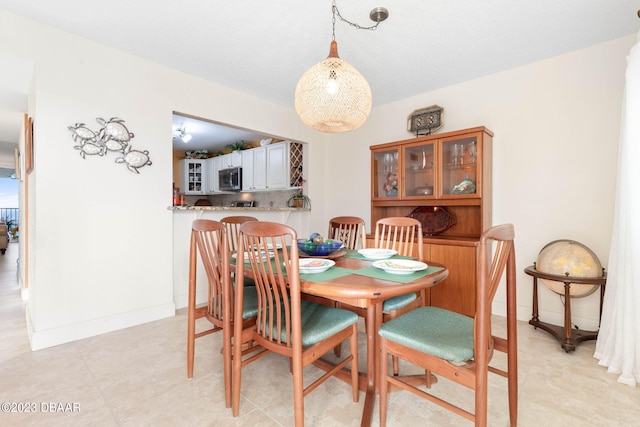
x=618 y=345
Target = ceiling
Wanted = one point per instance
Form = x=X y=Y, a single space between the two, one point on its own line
x=262 y=48
x=208 y=135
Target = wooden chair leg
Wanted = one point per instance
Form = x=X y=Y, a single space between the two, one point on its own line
x=298 y=393
x=337 y=350
x=382 y=382
x=227 y=362
x=191 y=333
x=353 y=341
x=190 y=351
x=481 y=402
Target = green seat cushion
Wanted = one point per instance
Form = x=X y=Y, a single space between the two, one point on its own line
x=247 y=281
x=320 y=322
x=250 y=303
x=398 y=302
x=441 y=333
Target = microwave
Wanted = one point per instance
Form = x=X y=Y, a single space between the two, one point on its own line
x=230 y=179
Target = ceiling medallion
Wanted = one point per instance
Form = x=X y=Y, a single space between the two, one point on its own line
x=425 y=121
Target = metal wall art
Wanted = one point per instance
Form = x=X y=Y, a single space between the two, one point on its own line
x=112 y=136
x=425 y=121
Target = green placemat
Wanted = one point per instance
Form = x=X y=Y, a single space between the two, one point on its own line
x=331 y=273
x=352 y=253
x=378 y=273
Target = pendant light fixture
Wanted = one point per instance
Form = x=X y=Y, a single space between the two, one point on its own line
x=332 y=96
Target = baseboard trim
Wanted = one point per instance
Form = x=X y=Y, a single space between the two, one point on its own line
x=182 y=301
x=77 y=331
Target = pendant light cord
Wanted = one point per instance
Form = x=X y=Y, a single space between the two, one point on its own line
x=335 y=11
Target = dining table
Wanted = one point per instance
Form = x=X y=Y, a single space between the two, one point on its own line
x=355 y=281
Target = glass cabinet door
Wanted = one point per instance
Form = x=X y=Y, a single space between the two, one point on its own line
x=385 y=171
x=459 y=167
x=195 y=173
x=419 y=170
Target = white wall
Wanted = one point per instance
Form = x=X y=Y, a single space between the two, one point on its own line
x=101 y=245
x=556 y=125
x=101 y=238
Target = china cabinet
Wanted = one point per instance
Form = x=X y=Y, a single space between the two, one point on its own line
x=192 y=176
x=443 y=180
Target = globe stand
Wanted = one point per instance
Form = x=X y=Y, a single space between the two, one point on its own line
x=568 y=337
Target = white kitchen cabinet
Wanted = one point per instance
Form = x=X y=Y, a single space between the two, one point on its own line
x=260 y=168
x=254 y=166
x=265 y=168
x=247 y=170
x=213 y=166
x=232 y=160
x=277 y=166
x=193 y=176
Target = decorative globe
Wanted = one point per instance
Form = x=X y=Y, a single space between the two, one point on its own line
x=568 y=258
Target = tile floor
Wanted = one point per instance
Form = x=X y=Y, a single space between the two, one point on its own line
x=137 y=376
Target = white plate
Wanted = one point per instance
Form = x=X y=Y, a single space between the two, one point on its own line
x=377 y=253
x=265 y=255
x=400 y=266
x=314 y=265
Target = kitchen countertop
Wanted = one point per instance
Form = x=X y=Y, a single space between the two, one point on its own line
x=233 y=208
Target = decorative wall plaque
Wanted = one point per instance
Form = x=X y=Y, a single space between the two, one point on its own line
x=425 y=121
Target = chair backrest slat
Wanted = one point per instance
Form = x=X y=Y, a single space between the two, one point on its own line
x=401 y=234
x=232 y=224
x=350 y=230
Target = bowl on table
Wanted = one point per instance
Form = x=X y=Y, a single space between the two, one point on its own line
x=319 y=249
x=377 y=253
x=315 y=265
x=400 y=266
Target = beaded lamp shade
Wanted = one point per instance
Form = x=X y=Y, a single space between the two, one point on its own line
x=332 y=96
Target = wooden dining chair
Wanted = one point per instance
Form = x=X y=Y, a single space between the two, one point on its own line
x=404 y=235
x=232 y=224
x=350 y=230
x=209 y=240
x=286 y=324
x=455 y=346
